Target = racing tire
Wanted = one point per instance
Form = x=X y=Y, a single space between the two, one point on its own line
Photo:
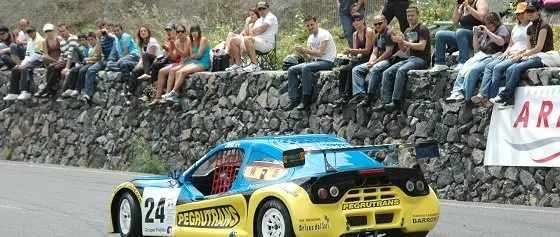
x=129 y=216
x=274 y=216
x=398 y=233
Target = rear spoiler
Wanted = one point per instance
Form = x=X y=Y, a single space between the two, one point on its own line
x=422 y=149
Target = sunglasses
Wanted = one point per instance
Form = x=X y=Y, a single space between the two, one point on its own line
x=47 y=31
x=378 y=23
x=180 y=31
x=261 y=8
x=357 y=19
x=530 y=11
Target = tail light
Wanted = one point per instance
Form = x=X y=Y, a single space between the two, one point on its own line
x=322 y=193
x=334 y=191
x=420 y=185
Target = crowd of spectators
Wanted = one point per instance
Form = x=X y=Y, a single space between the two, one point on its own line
x=380 y=56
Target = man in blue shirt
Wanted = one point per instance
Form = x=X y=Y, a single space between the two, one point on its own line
x=105 y=50
x=128 y=54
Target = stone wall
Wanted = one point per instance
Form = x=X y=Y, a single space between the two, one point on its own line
x=218 y=107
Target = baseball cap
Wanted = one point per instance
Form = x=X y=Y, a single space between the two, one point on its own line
x=170 y=26
x=263 y=4
x=30 y=29
x=48 y=26
x=532 y=6
x=521 y=7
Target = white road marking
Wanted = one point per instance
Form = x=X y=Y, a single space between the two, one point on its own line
x=499 y=208
x=69 y=169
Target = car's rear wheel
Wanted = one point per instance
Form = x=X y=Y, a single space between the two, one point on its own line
x=274 y=220
x=129 y=216
x=399 y=233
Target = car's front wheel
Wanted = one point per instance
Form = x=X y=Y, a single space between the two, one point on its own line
x=274 y=220
x=129 y=216
x=398 y=233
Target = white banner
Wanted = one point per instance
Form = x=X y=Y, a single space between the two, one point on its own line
x=528 y=134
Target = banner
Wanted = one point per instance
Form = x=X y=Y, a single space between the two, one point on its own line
x=529 y=133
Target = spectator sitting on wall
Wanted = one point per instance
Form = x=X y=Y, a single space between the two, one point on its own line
x=417 y=43
x=397 y=8
x=261 y=37
x=468 y=13
x=129 y=55
x=84 y=46
x=104 y=49
x=75 y=79
x=346 y=8
x=6 y=40
x=491 y=39
x=200 y=54
x=22 y=74
x=494 y=70
x=149 y=49
x=18 y=49
x=249 y=23
x=361 y=52
x=319 y=54
x=540 y=40
x=168 y=56
x=378 y=62
x=167 y=74
x=70 y=54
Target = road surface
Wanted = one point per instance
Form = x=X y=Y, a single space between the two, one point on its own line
x=44 y=200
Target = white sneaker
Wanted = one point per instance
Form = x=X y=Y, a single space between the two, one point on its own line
x=233 y=68
x=252 y=68
x=66 y=93
x=459 y=67
x=439 y=68
x=24 y=95
x=11 y=97
x=455 y=96
x=74 y=93
x=497 y=100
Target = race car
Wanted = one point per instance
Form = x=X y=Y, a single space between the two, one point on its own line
x=282 y=186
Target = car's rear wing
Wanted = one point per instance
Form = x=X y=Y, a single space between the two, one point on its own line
x=296 y=157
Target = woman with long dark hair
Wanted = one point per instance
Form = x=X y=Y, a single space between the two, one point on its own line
x=200 y=55
x=6 y=39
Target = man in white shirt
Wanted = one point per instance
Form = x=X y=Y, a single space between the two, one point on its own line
x=18 y=49
x=23 y=74
x=319 y=54
x=261 y=37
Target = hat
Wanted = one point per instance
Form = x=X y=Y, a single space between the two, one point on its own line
x=4 y=28
x=170 y=26
x=263 y=4
x=48 y=26
x=532 y=6
x=30 y=29
x=357 y=16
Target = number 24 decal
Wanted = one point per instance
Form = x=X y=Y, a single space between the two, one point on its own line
x=159 y=214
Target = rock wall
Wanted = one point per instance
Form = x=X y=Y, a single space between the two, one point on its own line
x=218 y=107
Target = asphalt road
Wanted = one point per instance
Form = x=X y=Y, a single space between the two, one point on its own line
x=43 y=200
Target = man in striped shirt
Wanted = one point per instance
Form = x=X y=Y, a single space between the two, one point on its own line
x=70 y=55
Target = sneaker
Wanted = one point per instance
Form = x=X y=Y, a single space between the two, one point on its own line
x=74 y=93
x=11 y=97
x=233 y=68
x=455 y=96
x=167 y=95
x=497 y=100
x=357 y=98
x=458 y=67
x=477 y=99
x=24 y=95
x=85 y=98
x=439 y=68
x=174 y=98
x=252 y=68
x=505 y=105
x=144 y=77
x=66 y=94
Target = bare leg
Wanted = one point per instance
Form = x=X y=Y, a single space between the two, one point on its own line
x=250 y=46
x=162 y=77
x=171 y=77
x=185 y=72
x=235 y=50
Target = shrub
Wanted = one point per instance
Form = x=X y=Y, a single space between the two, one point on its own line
x=144 y=159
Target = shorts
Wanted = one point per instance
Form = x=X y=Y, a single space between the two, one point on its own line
x=263 y=46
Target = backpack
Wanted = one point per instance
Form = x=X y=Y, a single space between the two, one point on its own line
x=292 y=60
x=220 y=62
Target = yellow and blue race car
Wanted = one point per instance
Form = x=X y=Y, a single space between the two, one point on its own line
x=283 y=186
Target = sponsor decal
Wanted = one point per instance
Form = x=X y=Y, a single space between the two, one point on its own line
x=371 y=204
x=426 y=218
x=314 y=224
x=527 y=134
x=225 y=216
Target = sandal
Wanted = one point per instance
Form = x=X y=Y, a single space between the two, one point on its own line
x=157 y=101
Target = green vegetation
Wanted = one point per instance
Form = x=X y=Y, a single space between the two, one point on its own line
x=7 y=153
x=144 y=159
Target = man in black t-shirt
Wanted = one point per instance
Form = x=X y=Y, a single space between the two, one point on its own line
x=417 y=42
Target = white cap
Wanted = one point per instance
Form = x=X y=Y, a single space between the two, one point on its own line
x=48 y=26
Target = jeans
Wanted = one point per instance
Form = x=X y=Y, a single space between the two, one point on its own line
x=467 y=84
x=18 y=50
x=462 y=39
x=71 y=78
x=5 y=59
x=492 y=75
x=398 y=74
x=513 y=74
x=53 y=75
x=346 y=19
x=345 y=79
x=374 y=76
x=396 y=9
x=22 y=75
x=89 y=85
x=304 y=70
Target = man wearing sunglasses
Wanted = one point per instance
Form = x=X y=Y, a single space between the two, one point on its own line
x=378 y=62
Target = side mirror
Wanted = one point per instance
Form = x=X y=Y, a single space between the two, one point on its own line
x=426 y=149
